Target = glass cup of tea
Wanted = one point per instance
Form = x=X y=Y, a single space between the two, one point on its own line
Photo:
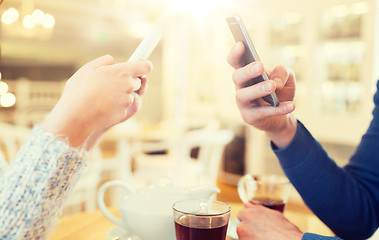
x=201 y=219
x=271 y=191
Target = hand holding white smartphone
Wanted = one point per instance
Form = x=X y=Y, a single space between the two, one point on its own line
x=240 y=34
x=147 y=46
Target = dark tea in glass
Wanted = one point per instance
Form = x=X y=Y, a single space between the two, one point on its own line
x=270 y=203
x=200 y=231
x=271 y=191
x=201 y=219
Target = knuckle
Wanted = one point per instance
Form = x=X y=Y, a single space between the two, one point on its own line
x=230 y=59
x=242 y=230
x=260 y=113
x=235 y=77
x=127 y=100
x=283 y=69
x=123 y=74
x=239 y=97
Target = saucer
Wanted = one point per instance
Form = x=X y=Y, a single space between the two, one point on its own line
x=119 y=233
x=232 y=229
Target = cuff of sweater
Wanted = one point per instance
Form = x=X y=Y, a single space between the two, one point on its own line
x=40 y=133
x=311 y=236
x=294 y=153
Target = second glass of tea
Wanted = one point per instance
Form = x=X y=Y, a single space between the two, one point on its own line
x=201 y=219
x=271 y=191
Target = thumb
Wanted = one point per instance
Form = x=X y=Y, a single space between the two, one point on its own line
x=101 y=61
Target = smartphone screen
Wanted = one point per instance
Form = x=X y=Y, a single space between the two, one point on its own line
x=250 y=55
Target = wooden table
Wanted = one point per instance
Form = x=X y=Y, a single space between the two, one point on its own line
x=94 y=226
x=86 y=225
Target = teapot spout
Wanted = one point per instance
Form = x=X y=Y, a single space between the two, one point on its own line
x=202 y=191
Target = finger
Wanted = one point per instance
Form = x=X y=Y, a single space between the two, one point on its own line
x=133 y=109
x=245 y=96
x=245 y=231
x=249 y=205
x=143 y=87
x=281 y=75
x=132 y=84
x=133 y=69
x=278 y=83
x=240 y=215
x=137 y=83
x=253 y=114
x=101 y=61
x=244 y=74
x=235 y=55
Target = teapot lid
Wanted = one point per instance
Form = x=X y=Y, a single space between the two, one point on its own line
x=163 y=185
x=158 y=198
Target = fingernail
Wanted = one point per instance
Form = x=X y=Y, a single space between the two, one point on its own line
x=288 y=107
x=255 y=68
x=137 y=85
x=279 y=82
x=268 y=87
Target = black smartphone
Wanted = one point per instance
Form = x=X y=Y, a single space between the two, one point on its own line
x=240 y=34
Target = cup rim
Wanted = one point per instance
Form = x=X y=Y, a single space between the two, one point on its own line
x=282 y=180
x=200 y=214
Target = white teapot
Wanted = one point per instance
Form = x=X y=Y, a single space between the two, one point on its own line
x=147 y=212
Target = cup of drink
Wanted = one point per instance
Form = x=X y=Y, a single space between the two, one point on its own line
x=271 y=191
x=201 y=219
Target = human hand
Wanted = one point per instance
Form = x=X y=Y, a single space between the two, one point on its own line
x=261 y=223
x=99 y=95
x=277 y=122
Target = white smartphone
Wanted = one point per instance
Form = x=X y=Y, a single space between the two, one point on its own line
x=147 y=46
x=240 y=34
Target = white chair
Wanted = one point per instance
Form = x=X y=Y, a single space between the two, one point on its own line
x=178 y=160
x=211 y=146
x=11 y=139
x=3 y=163
x=35 y=99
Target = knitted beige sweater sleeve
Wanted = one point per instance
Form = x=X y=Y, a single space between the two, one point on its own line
x=35 y=185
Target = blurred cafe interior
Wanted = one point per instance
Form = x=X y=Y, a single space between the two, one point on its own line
x=189 y=110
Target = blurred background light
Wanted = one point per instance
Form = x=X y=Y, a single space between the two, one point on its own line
x=196 y=8
x=28 y=21
x=48 y=21
x=3 y=88
x=8 y=100
x=38 y=16
x=10 y=16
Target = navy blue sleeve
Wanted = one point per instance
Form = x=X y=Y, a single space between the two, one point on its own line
x=345 y=199
x=311 y=236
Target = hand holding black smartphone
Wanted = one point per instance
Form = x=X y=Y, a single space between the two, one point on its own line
x=240 y=34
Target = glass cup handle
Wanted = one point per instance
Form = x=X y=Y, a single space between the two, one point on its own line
x=246 y=188
x=100 y=200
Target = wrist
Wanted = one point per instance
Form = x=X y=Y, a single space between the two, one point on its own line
x=68 y=127
x=284 y=136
